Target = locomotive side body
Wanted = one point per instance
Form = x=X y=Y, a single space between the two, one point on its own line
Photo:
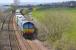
x=20 y=20
x=27 y=27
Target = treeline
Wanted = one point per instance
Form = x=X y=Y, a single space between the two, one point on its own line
x=68 y=4
x=59 y=4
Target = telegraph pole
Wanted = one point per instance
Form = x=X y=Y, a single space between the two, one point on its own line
x=16 y=3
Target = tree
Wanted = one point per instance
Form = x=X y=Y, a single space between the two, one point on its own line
x=12 y=8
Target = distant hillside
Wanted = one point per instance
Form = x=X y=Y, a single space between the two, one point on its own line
x=3 y=8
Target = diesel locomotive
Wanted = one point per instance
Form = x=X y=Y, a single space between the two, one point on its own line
x=27 y=27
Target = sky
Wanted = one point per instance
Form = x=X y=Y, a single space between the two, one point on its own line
x=38 y=1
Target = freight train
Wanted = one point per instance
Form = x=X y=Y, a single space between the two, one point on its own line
x=27 y=27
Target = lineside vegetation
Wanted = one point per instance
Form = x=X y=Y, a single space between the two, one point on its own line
x=61 y=26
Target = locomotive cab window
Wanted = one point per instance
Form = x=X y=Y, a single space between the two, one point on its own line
x=23 y=19
x=28 y=25
x=20 y=17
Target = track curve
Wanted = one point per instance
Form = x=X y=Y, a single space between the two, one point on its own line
x=26 y=44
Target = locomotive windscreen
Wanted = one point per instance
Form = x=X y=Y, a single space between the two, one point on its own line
x=28 y=27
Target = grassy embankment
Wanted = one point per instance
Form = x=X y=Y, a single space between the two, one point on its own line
x=61 y=24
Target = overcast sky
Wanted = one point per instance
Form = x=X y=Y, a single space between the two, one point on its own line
x=39 y=1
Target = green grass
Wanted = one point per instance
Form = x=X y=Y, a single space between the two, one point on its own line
x=65 y=16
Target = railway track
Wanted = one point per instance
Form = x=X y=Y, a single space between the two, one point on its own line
x=26 y=44
x=8 y=39
x=12 y=39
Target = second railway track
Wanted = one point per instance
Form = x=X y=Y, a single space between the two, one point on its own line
x=8 y=39
x=11 y=38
